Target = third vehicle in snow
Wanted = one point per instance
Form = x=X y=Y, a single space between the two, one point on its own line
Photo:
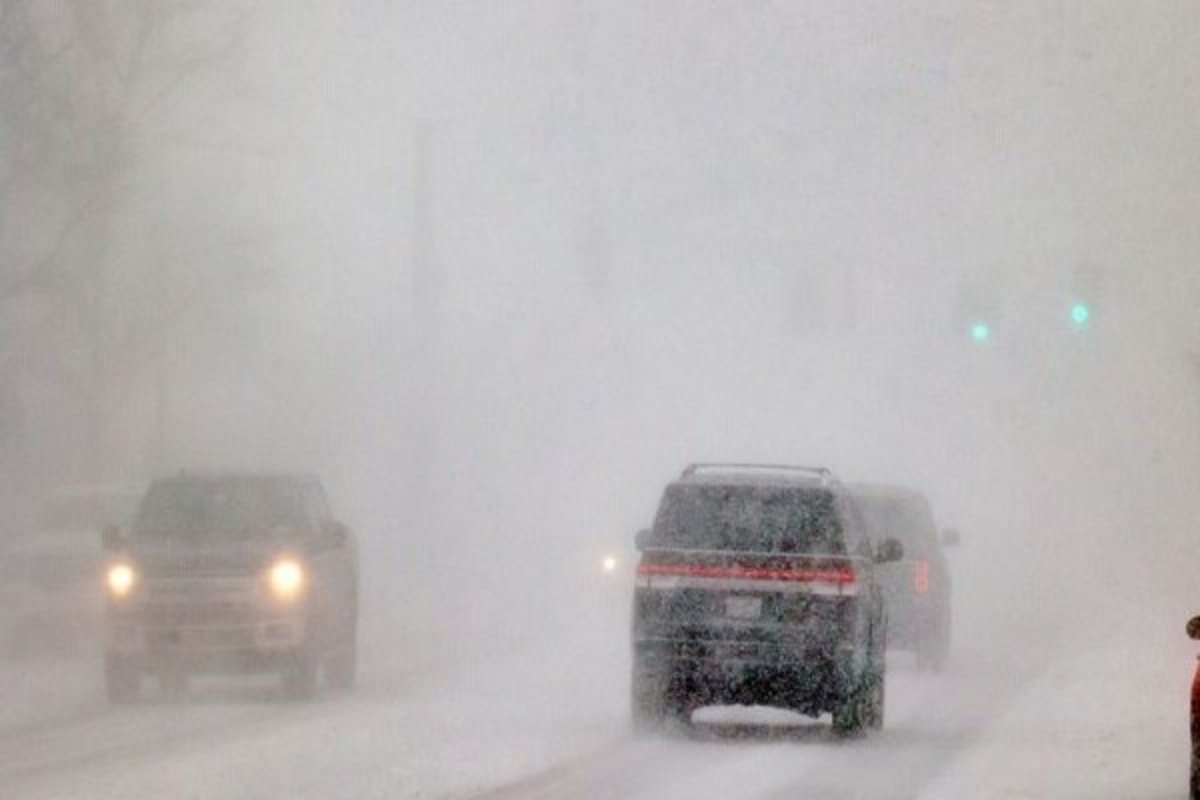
x=917 y=587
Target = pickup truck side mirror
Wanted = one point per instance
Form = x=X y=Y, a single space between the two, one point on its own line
x=111 y=539
x=642 y=540
x=1193 y=628
x=951 y=537
x=888 y=550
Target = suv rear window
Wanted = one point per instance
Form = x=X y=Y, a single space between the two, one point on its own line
x=234 y=508
x=776 y=519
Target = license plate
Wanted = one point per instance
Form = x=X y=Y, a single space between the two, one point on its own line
x=743 y=607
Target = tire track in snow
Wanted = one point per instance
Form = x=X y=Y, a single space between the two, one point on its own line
x=934 y=722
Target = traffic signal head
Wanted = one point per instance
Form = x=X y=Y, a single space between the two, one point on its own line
x=981 y=332
x=1081 y=314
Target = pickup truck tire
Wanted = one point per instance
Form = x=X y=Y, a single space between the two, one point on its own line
x=122 y=681
x=341 y=668
x=300 y=677
x=875 y=702
x=933 y=650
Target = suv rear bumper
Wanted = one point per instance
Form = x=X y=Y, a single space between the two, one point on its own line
x=809 y=679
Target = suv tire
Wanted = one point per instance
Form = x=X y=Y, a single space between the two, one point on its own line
x=863 y=707
x=933 y=650
x=649 y=701
x=848 y=718
x=931 y=658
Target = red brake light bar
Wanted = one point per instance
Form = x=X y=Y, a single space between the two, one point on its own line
x=838 y=575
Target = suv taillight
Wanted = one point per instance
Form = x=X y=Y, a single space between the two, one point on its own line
x=921 y=576
x=841 y=575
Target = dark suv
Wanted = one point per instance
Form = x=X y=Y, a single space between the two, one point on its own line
x=757 y=586
x=231 y=573
x=917 y=588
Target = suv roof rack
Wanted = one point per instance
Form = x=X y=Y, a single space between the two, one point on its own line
x=824 y=474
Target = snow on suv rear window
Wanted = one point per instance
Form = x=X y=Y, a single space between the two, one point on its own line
x=748 y=517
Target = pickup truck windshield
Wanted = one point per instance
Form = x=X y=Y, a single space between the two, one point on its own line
x=749 y=518
x=228 y=509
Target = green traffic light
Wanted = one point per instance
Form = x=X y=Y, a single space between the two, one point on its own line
x=981 y=332
x=1080 y=314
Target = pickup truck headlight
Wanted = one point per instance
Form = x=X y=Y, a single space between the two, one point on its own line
x=120 y=579
x=286 y=578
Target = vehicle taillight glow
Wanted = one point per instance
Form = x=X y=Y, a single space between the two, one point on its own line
x=921 y=576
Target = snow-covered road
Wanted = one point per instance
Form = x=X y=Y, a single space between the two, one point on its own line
x=549 y=721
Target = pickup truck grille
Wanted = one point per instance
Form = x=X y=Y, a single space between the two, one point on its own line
x=200 y=602
x=198 y=613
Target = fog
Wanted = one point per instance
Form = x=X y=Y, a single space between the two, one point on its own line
x=498 y=272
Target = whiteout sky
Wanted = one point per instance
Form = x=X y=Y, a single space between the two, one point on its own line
x=702 y=231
